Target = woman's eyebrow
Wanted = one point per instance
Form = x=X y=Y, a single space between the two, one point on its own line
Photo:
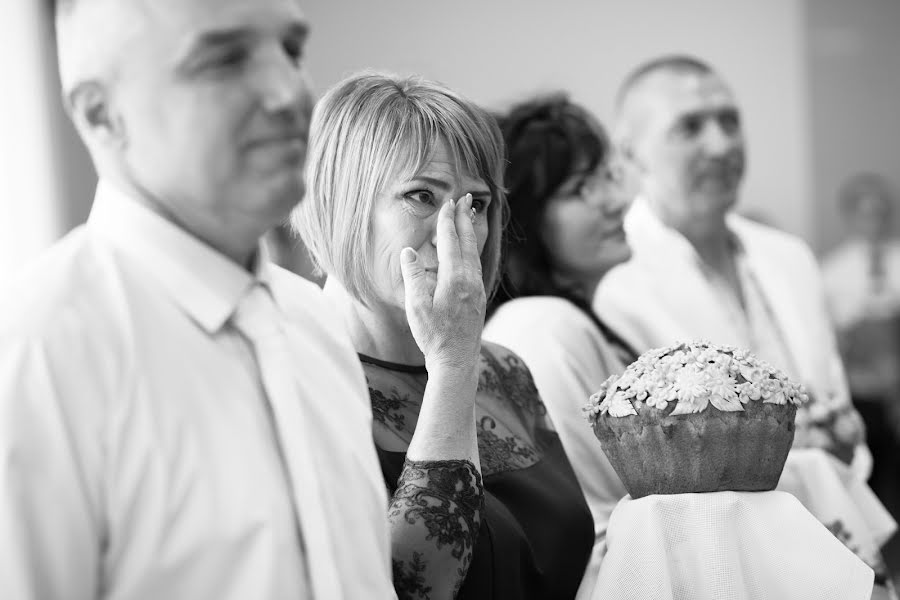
x=438 y=183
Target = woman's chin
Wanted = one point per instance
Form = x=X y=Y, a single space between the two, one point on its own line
x=615 y=252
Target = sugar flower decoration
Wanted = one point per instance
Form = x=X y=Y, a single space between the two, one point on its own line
x=694 y=375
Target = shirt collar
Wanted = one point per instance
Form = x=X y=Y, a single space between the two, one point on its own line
x=205 y=283
x=641 y=217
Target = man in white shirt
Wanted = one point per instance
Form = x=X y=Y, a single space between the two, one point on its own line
x=149 y=445
x=699 y=271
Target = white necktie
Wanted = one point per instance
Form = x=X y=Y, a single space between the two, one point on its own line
x=259 y=320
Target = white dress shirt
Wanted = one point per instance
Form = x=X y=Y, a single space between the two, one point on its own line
x=138 y=458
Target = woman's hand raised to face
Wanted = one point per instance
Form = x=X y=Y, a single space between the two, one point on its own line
x=446 y=313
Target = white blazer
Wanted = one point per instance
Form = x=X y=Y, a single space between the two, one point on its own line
x=661 y=296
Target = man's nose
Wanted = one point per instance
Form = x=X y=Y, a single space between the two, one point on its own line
x=285 y=87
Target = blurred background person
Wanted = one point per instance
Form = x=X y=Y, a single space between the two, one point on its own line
x=699 y=271
x=566 y=204
x=404 y=214
x=862 y=282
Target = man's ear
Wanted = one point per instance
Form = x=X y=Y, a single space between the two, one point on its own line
x=91 y=109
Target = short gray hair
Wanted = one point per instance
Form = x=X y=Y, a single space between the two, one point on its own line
x=680 y=64
x=370 y=128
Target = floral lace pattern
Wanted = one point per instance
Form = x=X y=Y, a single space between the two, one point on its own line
x=508 y=379
x=508 y=408
x=436 y=506
x=387 y=409
x=500 y=454
x=445 y=499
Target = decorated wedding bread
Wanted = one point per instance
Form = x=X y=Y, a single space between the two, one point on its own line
x=695 y=417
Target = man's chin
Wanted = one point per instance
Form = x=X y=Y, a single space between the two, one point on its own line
x=719 y=197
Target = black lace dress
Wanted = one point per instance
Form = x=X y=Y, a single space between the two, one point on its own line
x=534 y=529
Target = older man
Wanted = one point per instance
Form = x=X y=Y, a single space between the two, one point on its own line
x=701 y=272
x=180 y=419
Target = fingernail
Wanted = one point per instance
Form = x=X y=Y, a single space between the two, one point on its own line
x=452 y=203
x=469 y=200
x=408 y=255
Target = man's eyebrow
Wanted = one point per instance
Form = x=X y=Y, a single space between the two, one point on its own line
x=215 y=38
x=234 y=35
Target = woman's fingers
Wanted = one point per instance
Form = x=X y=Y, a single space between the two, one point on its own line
x=418 y=287
x=448 y=252
x=465 y=230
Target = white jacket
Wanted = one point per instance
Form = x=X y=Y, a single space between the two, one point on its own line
x=661 y=296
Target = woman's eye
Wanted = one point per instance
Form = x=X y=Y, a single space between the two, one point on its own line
x=421 y=196
x=479 y=205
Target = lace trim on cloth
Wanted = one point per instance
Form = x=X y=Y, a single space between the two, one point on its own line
x=435 y=516
x=876 y=563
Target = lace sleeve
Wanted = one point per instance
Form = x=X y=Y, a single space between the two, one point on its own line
x=434 y=517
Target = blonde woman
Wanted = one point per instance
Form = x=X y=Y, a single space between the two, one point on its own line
x=404 y=213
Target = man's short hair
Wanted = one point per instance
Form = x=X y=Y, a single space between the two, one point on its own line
x=369 y=129
x=681 y=64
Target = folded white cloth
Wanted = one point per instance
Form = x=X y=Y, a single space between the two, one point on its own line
x=726 y=546
x=839 y=500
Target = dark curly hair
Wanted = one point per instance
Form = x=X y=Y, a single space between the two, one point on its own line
x=549 y=141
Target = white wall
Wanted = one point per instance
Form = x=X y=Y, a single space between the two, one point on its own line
x=496 y=51
x=46 y=177
x=28 y=188
x=855 y=86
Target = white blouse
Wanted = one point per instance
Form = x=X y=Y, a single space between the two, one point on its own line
x=569 y=358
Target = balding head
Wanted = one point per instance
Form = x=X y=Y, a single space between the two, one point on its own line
x=199 y=107
x=632 y=99
x=678 y=127
x=93 y=38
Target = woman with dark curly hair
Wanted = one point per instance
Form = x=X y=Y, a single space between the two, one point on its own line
x=566 y=201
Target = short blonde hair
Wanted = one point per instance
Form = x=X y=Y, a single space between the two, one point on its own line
x=368 y=130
